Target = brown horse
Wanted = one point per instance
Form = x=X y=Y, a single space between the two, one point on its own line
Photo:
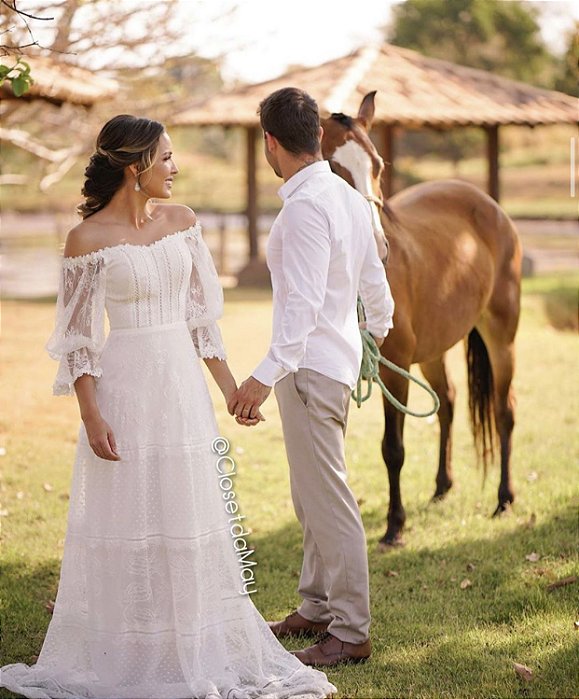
x=454 y=267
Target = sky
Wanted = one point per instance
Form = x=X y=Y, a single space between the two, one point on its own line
x=261 y=38
x=256 y=40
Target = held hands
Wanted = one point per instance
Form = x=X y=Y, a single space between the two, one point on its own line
x=101 y=438
x=245 y=402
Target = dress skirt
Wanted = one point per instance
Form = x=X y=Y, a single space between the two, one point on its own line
x=153 y=600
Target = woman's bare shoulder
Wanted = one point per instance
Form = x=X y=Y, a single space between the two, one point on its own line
x=84 y=238
x=179 y=216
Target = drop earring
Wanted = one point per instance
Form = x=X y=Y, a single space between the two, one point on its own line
x=137 y=186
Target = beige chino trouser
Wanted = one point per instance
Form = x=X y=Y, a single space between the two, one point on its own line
x=334 y=577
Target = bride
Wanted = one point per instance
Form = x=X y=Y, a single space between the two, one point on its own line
x=149 y=603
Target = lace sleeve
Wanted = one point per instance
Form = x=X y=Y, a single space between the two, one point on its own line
x=205 y=300
x=78 y=337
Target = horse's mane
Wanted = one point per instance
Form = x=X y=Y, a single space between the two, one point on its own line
x=344 y=119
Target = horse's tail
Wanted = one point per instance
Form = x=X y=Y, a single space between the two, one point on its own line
x=480 y=398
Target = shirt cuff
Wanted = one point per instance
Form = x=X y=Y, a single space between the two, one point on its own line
x=269 y=372
x=381 y=330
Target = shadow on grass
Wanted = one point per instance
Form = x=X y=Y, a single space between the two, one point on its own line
x=433 y=639
x=26 y=589
x=430 y=637
x=560 y=296
x=562 y=308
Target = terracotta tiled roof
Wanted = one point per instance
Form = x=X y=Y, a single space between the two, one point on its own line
x=58 y=82
x=413 y=90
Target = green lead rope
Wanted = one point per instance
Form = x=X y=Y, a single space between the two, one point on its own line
x=370 y=372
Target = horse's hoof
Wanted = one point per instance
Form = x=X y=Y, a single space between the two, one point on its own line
x=390 y=544
x=439 y=497
x=502 y=509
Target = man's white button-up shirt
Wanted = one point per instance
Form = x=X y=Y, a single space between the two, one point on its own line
x=321 y=253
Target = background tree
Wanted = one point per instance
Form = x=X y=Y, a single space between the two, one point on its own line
x=144 y=44
x=567 y=76
x=501 y=37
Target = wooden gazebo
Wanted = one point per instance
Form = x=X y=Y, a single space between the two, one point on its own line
x=414 y=91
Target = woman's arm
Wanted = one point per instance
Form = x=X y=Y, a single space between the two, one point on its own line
x=222 y=374
x=100 y=436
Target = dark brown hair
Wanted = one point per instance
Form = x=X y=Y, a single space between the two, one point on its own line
x=292 y=116
x=122 y=141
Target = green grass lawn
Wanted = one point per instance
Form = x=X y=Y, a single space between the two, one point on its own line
x=431 y=638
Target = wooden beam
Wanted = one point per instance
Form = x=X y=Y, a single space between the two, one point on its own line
x=386 y=150
x=493 y=187
x=252 y=213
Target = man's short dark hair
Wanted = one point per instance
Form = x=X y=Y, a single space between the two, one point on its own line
x=292 y=116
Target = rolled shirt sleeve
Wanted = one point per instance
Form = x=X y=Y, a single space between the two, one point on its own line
x=375 y=293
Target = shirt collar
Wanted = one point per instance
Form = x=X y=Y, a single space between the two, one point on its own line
x=289 y=187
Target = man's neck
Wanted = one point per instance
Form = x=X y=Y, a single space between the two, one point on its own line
x=294 y=164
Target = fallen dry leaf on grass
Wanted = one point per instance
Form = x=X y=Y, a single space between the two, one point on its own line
x=533 y=557
x=470 y=567
x=49 y=606
x=523 y=672
x=465 y=584
x=392 y=574
x=576 y=625
x=47 y=487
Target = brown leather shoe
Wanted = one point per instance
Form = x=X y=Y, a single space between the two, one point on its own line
x=296 y=625
x=331 y=651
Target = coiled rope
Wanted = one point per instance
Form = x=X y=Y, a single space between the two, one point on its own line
x=370 y=372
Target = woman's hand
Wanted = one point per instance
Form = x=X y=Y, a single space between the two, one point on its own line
x=250 y=421
x=101 y=438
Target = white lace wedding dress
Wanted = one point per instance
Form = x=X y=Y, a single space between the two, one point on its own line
x=150 y=602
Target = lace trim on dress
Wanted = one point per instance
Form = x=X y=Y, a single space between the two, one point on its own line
x=97 y=254
x=78 y=337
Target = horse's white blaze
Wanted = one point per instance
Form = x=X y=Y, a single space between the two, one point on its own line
x=354 y=158
x=358 y=163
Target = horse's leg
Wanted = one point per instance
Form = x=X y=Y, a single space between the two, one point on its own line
x=393 y=454
x=498 y=327
x=436 y=375
x=502 y=358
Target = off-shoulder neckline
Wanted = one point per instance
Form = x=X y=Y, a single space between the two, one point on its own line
x=95 y=254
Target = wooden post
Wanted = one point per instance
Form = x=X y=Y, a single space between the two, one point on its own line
x=252 y=213
x=386 y=150
x=255 y=272
x=492 y=133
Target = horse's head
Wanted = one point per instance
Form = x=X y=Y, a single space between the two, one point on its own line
x=353 y=156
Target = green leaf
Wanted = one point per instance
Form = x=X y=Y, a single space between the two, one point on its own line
x=20 y=85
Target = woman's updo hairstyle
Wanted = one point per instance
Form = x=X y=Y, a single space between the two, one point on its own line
x=123 y=141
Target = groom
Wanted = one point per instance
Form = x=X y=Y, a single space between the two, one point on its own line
x=321 y=253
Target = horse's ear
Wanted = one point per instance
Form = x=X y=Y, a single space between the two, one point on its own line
x=366 y=111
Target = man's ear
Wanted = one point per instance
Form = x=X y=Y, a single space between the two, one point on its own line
x=321 y=133
x=271 y=141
